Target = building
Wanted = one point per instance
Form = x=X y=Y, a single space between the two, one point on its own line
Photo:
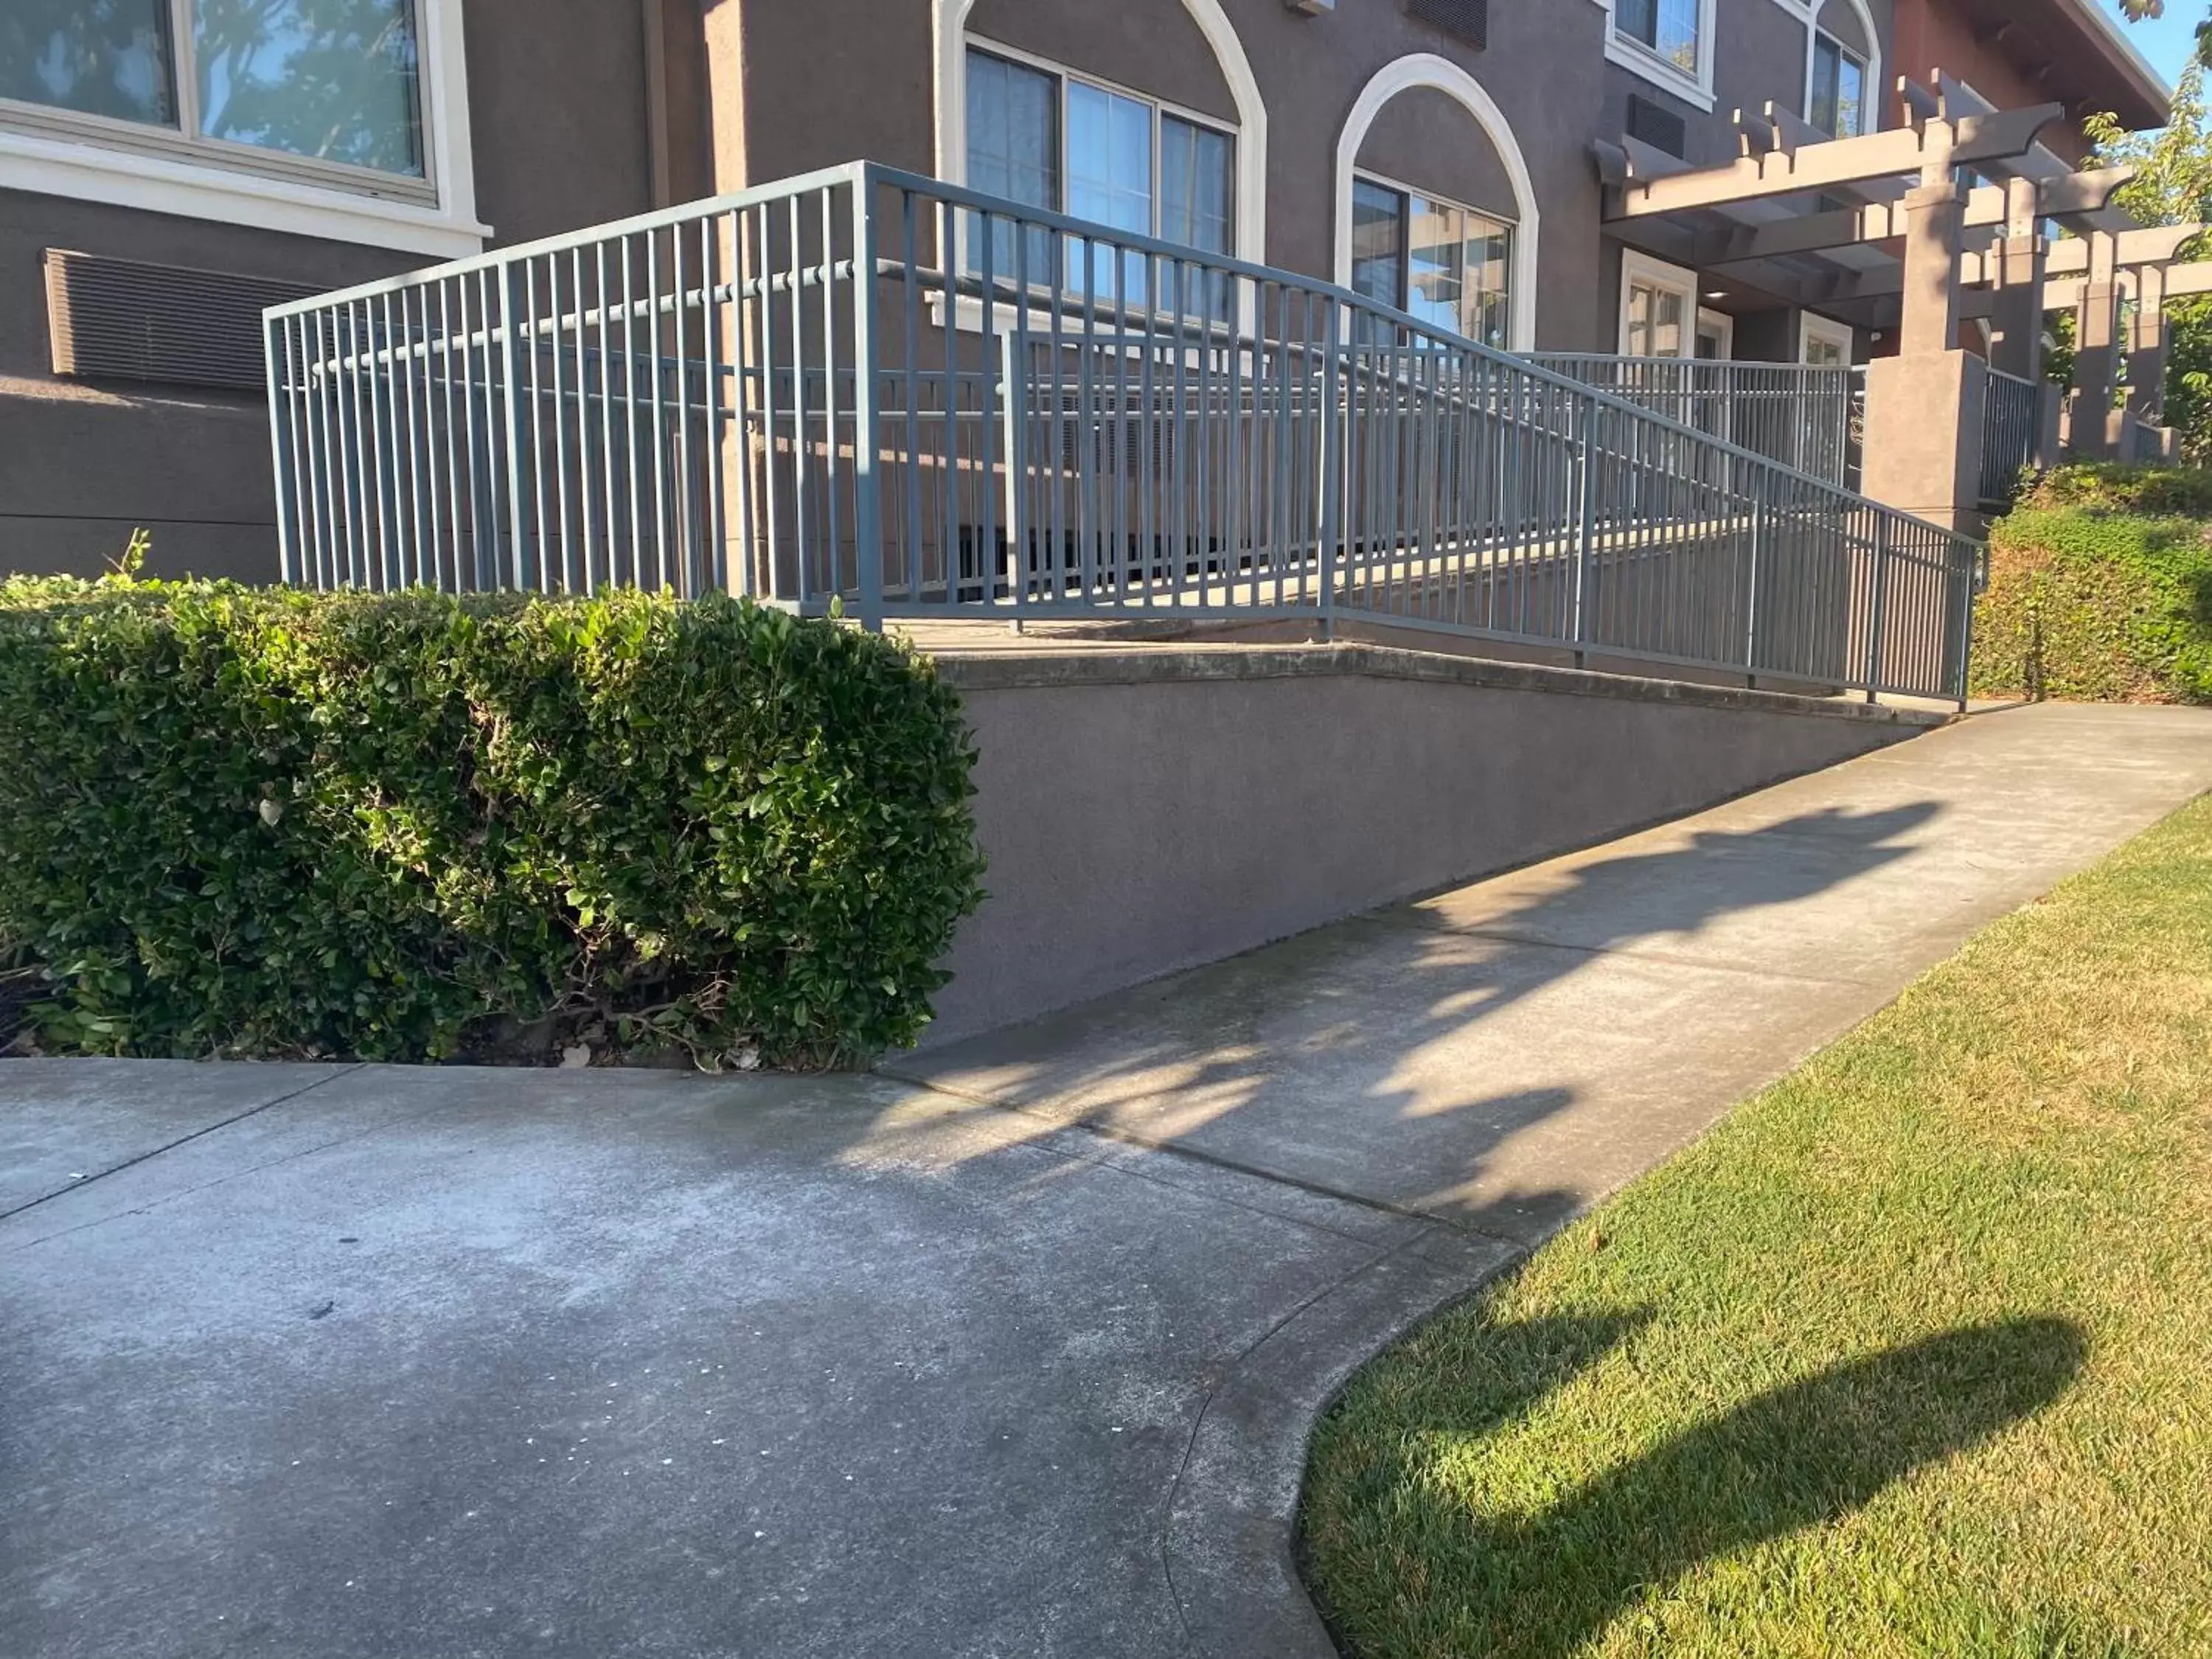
x=168 y=168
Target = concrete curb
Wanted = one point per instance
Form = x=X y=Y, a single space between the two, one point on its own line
x=1000 y=670
x=1232 y=1518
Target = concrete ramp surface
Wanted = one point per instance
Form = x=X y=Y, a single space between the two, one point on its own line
x=1013 y=1354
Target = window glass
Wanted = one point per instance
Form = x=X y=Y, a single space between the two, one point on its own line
x=1436 y=262
x=1377 y=246
x=1670 y=27
x=1850 y=96
x=1109 y=179
x=333 y=80
x=1654 y=321
x=1823 y=351
x=1013 y=151
x=1051 y=141
x=99 y=56
x=1445 y=265
x=1838 y=91
x=1489 y=310
x=1196 y=193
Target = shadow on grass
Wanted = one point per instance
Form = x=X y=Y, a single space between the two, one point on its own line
x=1804 y=1455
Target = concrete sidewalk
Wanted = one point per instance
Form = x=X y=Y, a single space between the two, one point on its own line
x=1014 y=1354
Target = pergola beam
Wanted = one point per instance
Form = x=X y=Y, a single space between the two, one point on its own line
x=1816 y=233
x=2156 y=245
x=1841 y=163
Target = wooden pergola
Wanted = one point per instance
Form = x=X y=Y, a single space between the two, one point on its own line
x=1913 y=231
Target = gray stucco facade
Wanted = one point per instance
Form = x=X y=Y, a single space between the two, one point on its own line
x=587 y=111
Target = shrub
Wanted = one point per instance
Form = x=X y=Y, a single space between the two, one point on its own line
x=2092 y=599
x=2121 y=487
x=410 y=826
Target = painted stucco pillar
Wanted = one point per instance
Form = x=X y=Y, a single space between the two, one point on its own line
x=2147 y=343
x=2016 y=314
x=1935 y=221
x=2096 y=351
x=1913 y=401
x=1924 y=419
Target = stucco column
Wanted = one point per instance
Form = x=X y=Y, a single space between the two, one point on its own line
x=2016 y=316
x=724 y=27
x=1914 y=402
x=1934 y=219
x=2147 y=342
x=2096 y=350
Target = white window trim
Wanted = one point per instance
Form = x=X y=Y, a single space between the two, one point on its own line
x=1640 y=60
x=949 y=48
x=37 y=155
x=1874 y=98
x=1720 y=322
x=1812 y=328
x=1441 y=74
x=1491 y=216
x=1638 y=267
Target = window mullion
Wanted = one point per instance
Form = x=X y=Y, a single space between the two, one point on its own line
x=184 y=67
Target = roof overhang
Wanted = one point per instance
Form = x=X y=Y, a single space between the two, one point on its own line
x=2084 y=55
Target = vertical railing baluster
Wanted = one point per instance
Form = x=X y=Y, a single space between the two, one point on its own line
x=867 y=474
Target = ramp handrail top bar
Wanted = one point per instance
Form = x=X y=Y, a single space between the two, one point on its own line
x=864 y=176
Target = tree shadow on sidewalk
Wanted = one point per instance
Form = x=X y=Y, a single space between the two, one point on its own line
x=1339 y=1057
x=1541 y=1585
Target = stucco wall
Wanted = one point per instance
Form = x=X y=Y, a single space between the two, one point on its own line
x=557 y=101
x=1144 y=813
x=1427 y=139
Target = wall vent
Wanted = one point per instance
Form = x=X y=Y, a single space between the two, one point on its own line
x=125 y=319
x=1657 y=126
x=1465 y=20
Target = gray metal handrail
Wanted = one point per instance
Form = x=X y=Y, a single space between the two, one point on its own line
x=2012 y=425
x=1797 y=414
x=868 y=389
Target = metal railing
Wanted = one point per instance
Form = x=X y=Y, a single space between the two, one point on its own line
x=1792 y=413
x=2012 y=432
x=869 y=390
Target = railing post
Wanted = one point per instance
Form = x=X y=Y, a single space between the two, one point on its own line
x=1965 y=580
x=1015 y=418
x=1332 y=416
x=1879 y=599
x=510 y=303
x=1759 y=505
x=276 y=338
x=867 y=473
x=1585 y=514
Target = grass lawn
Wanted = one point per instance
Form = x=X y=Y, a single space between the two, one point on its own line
x=1911 y=1355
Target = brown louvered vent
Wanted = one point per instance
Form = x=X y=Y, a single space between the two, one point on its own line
x=1468 y=20
x=125 y=319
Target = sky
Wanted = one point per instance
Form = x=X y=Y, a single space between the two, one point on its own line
x=2167 y=41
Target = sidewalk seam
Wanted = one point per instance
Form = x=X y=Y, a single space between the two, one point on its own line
x=1105 y=1130
x=181 y=1140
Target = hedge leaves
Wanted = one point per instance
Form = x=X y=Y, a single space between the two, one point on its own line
x=243 y=822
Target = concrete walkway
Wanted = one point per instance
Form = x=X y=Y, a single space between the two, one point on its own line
x=1013 y=1354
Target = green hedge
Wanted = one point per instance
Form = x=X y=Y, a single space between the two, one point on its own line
x=2173 y=492
x=245 y=822
x=2100 y=589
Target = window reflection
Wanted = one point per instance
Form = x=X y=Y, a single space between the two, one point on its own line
x=107 y=57
x=335 y=80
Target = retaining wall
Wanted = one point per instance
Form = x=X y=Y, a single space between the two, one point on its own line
x=1147 y=810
